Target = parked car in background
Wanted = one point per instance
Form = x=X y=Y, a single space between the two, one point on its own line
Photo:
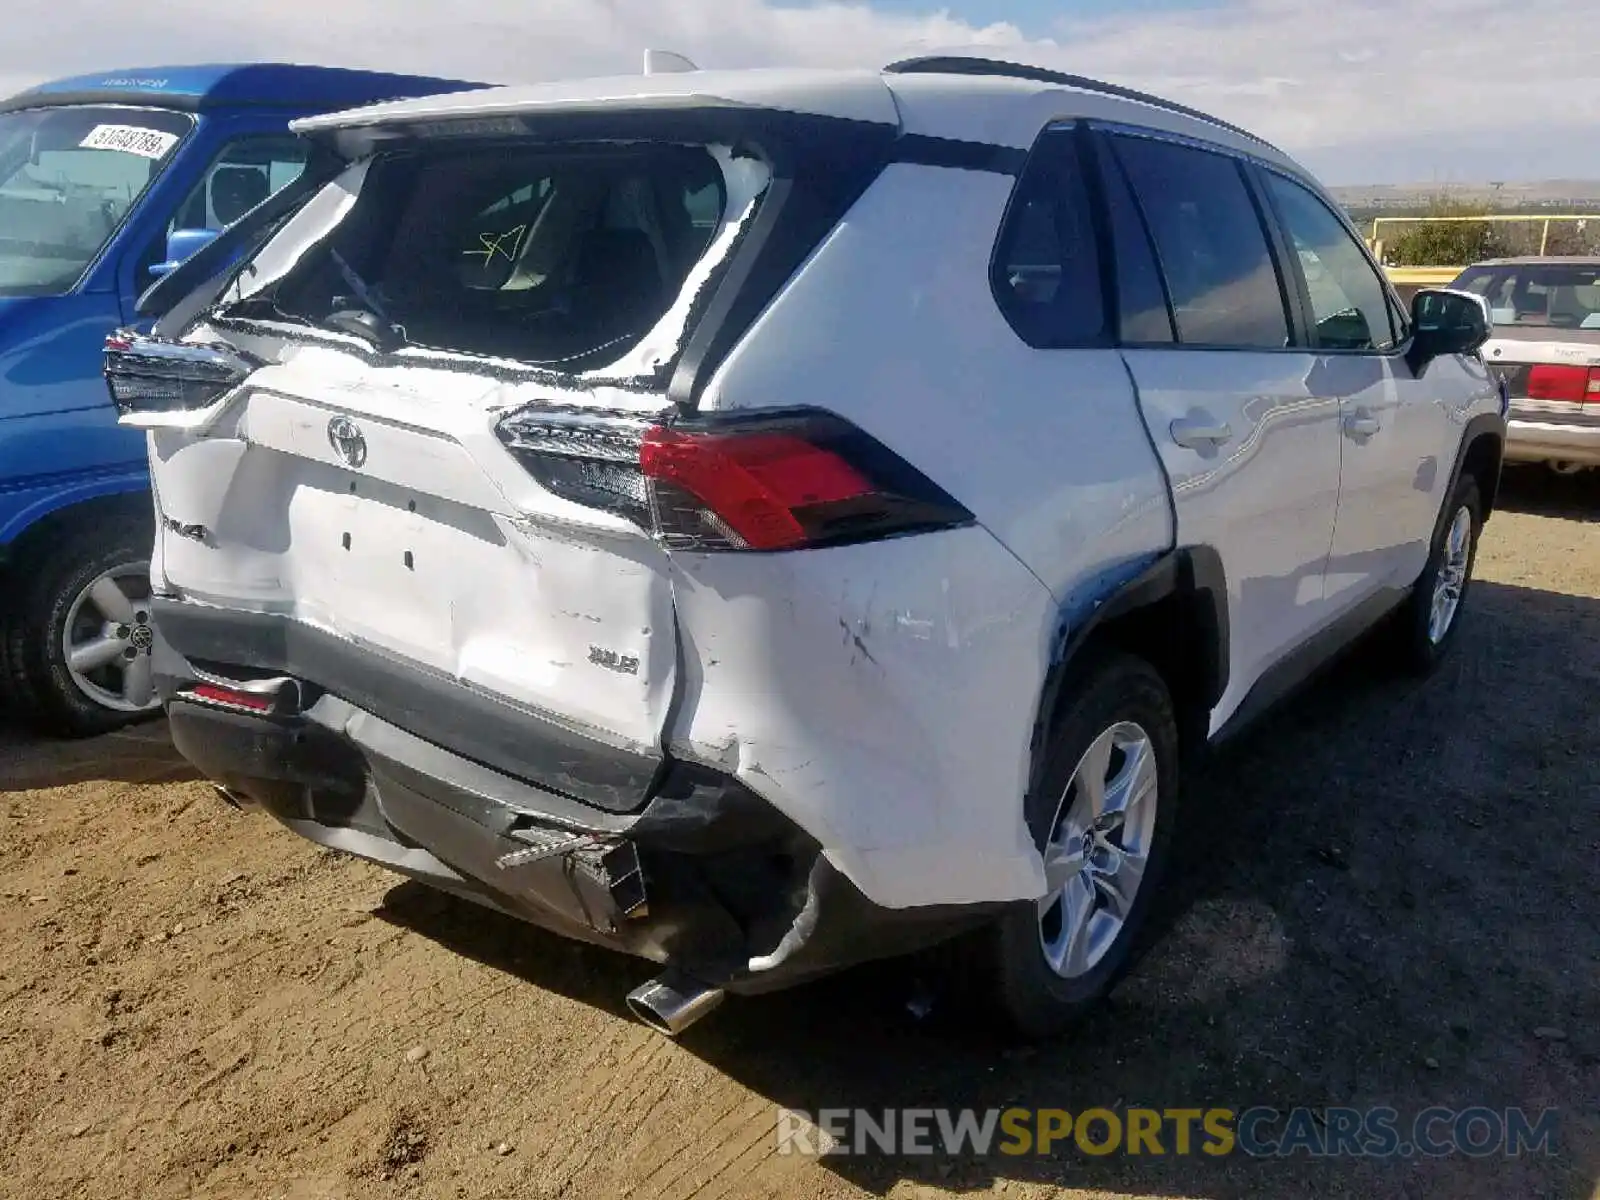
x=762 y=520
x=106 y=181
x=1546 y=349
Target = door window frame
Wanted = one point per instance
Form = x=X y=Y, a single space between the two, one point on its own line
x=1093 y=142
x=1294 y=313
x=1399 y=329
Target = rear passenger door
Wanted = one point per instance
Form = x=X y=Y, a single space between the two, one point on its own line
x=1251 y=450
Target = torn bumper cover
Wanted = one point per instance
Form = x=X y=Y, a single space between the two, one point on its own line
x=706 y=876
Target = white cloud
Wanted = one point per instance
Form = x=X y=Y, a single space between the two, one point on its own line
x=1362 y=89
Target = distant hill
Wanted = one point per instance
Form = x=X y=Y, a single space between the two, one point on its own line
x=1551 y=195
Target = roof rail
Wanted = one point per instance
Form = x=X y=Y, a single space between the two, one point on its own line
x=957 y=64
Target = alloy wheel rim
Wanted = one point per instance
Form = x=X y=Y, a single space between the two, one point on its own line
x=1451 y=579
x=1098 y=849
x=108 y=640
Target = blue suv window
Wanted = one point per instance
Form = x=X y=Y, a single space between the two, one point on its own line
x=1046 y=272
x=68 y=178
x=245 y=172
x=1211 y=244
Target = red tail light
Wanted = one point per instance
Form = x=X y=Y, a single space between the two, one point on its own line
x=150 y=375
x=783 y=481
x=1575 y=385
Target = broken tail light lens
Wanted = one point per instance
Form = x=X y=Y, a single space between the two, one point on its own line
x=773 y=481
x=150 y=375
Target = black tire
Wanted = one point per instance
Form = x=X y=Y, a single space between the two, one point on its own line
x=1418 y=650
x=42 y=691
x=1025 y=991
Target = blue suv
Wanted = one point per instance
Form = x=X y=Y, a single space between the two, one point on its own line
x=106 y=182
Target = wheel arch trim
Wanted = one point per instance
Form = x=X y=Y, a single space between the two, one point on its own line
x=1196 y=578
x=1484 y=425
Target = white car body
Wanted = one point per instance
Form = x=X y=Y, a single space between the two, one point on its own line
x=883 y=696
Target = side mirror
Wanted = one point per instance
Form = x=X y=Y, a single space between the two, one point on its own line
x=1445 y=321
x=181 y=243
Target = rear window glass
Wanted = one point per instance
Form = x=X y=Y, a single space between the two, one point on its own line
x=1559 y=295
x=563 y=259
x=1211 y=244
x=1046 y=272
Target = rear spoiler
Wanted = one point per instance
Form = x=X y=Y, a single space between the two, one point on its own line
x=671 y=92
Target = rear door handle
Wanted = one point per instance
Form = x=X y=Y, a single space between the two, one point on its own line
x=1360 y=426
x=1200 y=432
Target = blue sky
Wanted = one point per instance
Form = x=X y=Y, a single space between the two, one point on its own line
x=1381 y=91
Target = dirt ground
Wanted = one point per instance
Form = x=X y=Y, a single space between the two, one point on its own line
x=1380 y=898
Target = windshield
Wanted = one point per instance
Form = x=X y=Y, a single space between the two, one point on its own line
x=68 y=177
x=556 y=257
x=1555 y=295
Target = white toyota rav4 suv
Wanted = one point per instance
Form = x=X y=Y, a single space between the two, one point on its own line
x=765 y=520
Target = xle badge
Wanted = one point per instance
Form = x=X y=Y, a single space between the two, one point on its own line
x=624 y=664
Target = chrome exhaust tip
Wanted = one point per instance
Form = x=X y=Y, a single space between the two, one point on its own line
x=672 y=1002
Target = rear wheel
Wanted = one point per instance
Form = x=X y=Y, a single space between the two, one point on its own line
x=79 y=640
x=1102 y=817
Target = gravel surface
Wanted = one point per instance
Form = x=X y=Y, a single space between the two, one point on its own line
x=1385 y=896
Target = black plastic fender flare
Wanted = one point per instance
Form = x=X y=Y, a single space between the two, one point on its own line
x=1195 y=574
x=1493 y=425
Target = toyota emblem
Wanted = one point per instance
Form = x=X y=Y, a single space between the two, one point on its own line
x=344 y=435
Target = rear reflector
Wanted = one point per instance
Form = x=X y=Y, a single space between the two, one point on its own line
x=229 y=697
x=773 y=481
x=1574 y=385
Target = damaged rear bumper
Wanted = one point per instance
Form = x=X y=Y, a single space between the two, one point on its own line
x=706 y=876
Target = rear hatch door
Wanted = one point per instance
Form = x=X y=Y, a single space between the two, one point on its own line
x=355 y=486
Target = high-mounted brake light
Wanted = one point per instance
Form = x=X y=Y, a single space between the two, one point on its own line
x=791 y=480
x=147 y=374
x=1571 y=384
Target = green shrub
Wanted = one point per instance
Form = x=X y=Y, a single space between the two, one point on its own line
x=1446 y=243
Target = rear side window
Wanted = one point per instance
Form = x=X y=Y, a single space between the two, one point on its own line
x=1046 y=273
x=563 y=257
x=1211 y=244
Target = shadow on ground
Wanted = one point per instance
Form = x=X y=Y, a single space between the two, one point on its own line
x=1380 y=897
x=140 y=754
x=1538 y=491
